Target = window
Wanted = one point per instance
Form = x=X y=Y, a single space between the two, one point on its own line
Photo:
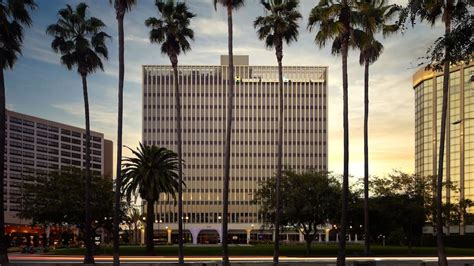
x=53 y=129
x=28 y=123
x=15 y=120
x=41 y=134
x=65 y=146
x=41 y=126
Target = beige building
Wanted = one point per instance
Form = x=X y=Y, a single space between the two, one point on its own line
x=254 y=139
x=35 y=146
x=459 y=159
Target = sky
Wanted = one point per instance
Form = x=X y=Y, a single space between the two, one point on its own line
x=39 y=85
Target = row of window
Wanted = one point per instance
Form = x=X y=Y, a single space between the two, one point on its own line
x=236 y=107
x=217 y=142
x=243 y=166
x=172 y=217
x=246 y=130
x=210 y=202
x=249 y=119
x=246 y=95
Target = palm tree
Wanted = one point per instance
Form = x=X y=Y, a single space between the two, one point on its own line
x=447 y=10
x=133 y=218
x=229 y=5
x=13 y=17
x=172 y=31
x=121 y=7
x=153 y=170
x=375 y=15
x=279 y=25
x=336 y=20
x=81 y=42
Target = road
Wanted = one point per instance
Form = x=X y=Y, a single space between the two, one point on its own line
x=28 y=259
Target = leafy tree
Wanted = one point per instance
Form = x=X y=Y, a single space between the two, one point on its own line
x=121 y=7
x=337 y=21
x=405 y=193
x=307 y=201
x=153 y=170
x=230 y=5
x=81 y=42
x=279 y=25
x=444 y=54
x=375 y=17
x=172 y=31
x=14 y=15
x=58 y=198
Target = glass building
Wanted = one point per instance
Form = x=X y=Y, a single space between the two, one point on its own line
x=254 y=138
x=459 y=151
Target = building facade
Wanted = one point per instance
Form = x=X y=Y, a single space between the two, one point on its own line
x=254 y=138
x=35 y=146
x=459 y=148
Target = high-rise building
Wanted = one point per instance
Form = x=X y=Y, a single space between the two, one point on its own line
x=254 y=138
x=459 y=147
x=36 y=146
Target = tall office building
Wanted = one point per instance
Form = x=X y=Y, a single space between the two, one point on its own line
x=459 y=148
x=36 y=146
x=254 y=137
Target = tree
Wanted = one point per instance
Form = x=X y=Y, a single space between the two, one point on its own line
x=279 y=25
x=134 y=217
x=408 y=194
x=172 y=31
x=14 y=15
x=337 y=20
x=375 y=16
x=229 y=5
x=58 y=197
x=308 y=200
x=448 y=11
x=153 y=170
x=81 y=42
x=121 y=7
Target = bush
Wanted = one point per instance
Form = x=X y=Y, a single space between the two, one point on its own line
x=455 y=241
x=260 y=242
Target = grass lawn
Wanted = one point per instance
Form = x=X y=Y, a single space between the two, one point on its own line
x=267 y=250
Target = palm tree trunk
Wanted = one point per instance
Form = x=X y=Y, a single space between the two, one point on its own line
x=3 y=242
x=150 y=218
x=118 y=178
x=230 y=99
x=88 y=256
x=308 y=246
x=439 y=182
x=174 y=62
x=341 y=257
x=366 y=159
x=276 y=250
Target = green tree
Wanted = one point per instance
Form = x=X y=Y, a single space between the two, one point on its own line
x=153 y=170
x=14 y=15
x=230 y=5
x=279 y=25
x=172 y=31
x=81 y=42
x=408 y=194
x=121 y=7
x=448 y=11
x=58 y=197
x=337 y=20
x=307 y=200
x=375 y=17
